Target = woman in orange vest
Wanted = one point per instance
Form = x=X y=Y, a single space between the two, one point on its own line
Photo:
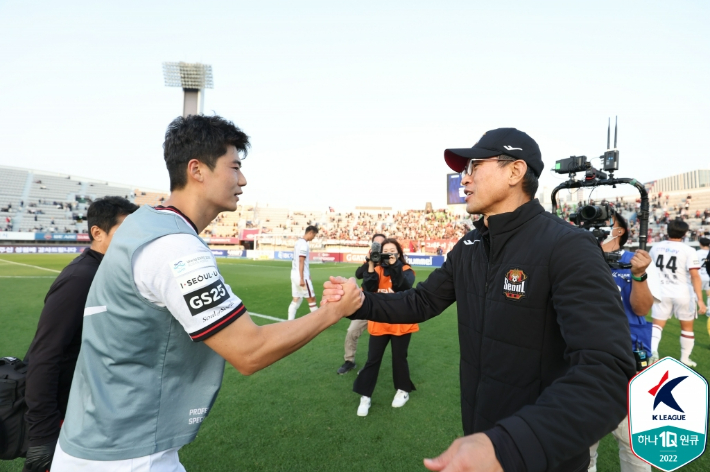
x=391 y=275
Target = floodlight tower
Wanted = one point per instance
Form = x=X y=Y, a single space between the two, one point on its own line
x=194 y=79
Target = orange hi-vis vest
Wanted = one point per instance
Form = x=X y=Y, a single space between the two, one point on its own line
x=381 y=329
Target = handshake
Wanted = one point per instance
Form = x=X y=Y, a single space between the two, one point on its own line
x=343 y=296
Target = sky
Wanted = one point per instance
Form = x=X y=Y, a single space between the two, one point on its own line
x=353 y=103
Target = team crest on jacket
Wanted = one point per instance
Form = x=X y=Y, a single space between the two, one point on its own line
x=514 y=284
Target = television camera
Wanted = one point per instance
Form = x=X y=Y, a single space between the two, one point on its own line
x=595 y=218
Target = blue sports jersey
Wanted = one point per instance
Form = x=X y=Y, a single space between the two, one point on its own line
x=640 y=328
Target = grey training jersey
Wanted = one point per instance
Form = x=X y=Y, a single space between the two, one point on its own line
x=141 y=384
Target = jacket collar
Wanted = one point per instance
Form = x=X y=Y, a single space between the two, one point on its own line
x=507 y=222
x=88 y=252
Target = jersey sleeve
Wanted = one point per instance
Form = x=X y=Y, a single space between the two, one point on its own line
x=178 y=272
x=693 y=259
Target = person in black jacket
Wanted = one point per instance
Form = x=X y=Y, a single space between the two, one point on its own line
x=542 y=332
x=54 y=350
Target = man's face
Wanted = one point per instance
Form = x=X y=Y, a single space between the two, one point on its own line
x=486 y=186
x=224 y=183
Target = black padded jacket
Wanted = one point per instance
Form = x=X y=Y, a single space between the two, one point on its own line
x=543 y=335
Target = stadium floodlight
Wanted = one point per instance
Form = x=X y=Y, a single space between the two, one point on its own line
x=194 y=79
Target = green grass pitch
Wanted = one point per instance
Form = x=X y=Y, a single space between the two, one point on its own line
x=298 y=414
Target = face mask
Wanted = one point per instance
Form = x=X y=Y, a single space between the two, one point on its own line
x=610 y=238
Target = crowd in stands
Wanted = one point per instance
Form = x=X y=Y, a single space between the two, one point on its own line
x=410 y=224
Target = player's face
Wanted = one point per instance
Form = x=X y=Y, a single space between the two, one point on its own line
x=485 y=186
x=224 y=183
x=390 y=248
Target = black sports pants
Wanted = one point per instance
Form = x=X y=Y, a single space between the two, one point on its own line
x=367 y=378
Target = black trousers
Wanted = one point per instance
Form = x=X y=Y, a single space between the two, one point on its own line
x=367 y=378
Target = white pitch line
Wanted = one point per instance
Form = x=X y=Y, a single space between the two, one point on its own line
x=28 y=265
x=266 y=316
x=27 y=277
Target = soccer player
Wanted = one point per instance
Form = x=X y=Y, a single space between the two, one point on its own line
x=680 y=286
x=301 y=285
x=160 y=321
x=55 y=348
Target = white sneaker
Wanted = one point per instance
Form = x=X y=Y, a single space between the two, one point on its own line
x=400 y=398
x=654 y=358
x=689 y=363
x=364 y=407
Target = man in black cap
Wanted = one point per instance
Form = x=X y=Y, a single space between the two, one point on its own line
x=542 y=332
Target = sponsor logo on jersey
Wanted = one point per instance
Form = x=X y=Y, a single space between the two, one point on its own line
x=219 y=311
x=192 y=262
x=668 y=414
x=195 y=280
x=514 y=284
x=206 y=297
x=179 y=267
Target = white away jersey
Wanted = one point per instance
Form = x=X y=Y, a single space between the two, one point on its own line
x=300 y=249
x=178 y=272
x=702 y=256
x=674 y=260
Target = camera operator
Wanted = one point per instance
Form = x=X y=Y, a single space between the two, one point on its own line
x=356 y=327
x=637 y=296
x=387 y=272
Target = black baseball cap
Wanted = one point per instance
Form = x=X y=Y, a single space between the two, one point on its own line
x=508 y=141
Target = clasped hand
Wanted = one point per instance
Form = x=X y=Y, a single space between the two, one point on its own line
x=345 y=292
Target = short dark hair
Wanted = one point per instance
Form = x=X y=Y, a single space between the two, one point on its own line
x=704 y=241
x=104 y=213
x=624 y=224
x=200 y=137
x=311 y=229
x=530 y=181
x=378 y=235
x=677 y=228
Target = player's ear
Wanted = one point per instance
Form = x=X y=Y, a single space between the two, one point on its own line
x=195 y=170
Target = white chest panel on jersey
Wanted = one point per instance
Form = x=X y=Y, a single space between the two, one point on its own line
x=674 y=260
x=301 y=249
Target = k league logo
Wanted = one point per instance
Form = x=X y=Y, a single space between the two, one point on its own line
x=668 y=414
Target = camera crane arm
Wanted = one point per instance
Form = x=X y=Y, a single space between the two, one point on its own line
x=643 y=213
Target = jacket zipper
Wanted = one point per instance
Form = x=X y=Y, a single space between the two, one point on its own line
x=483 y=319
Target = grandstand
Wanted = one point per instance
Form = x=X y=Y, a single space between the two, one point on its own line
x=46 y=202
x=143 y=197
x=41 y=201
